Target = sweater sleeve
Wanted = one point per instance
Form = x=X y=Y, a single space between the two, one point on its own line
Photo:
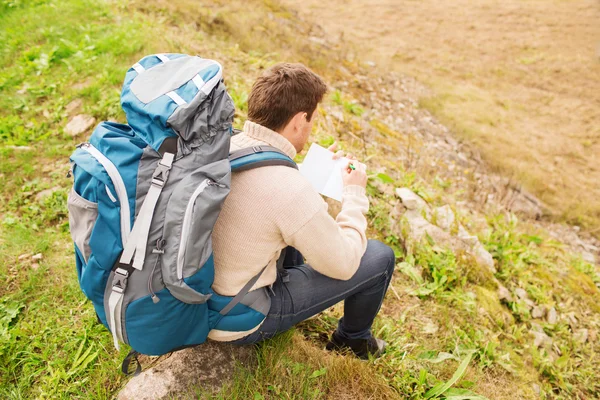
x=333 y=247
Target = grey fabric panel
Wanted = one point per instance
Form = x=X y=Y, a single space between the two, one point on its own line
x=205 y=212
x=202 y=119
x=258 y=300
x=138 y=284
x=151 y=84
x=82 y=216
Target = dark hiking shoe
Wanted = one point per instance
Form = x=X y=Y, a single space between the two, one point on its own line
x=361 y=347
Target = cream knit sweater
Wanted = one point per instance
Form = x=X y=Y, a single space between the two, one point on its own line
x=272 y=207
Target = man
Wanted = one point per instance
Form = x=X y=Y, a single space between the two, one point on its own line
x=273 y=207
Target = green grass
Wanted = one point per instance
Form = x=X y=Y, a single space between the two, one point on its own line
x=448 y=333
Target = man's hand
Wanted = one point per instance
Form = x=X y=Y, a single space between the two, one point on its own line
x=354 y=173
x=338 y=153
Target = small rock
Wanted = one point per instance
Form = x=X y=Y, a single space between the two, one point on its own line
x=24 y=256
x=588 y=257
x=444 y=217
x=467 y=237
x=504 y=294
x=79 y=124
x=74 y=106
x=411 y=200
x=521 y=293
x=540 y=339
x=24 y=89
x=538 y=312
x=581 y=335
x=430 y=328
x=337 y=114
x=37 y=257
x=46 y=193
x=35 y=266
x=484 y=258
x=20 y=148
x=524 y=203
x=552 y=316
x=536 y=388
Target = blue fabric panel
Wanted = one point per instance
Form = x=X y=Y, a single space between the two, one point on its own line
x=92 y=167
x=188 y=91
x=93 y=281
x=209 y=72
x=105 y=240
x=149 y=61
x=202 y=280
x=240 y=318
x=157 y=328
x=149 y=120
x=85 y=185
x=257 y=157
x=79 y=262
x=120 y=145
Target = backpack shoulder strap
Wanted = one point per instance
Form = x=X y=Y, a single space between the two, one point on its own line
x=259 y=156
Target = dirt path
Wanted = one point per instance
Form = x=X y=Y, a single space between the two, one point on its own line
x=521 y=80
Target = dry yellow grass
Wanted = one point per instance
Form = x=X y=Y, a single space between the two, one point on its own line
x=519 y=79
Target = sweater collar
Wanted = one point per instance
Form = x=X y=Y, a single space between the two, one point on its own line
x=259 y=132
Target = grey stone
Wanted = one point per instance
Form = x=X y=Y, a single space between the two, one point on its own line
x=504 y=294
x=37 y=257
x=484 y=258
x=467 y=237
x=540 y=339
x=521 y=293
x=538 y=312
x=46 y=193
x=444 y=217
x=588 y=257
x=411 y=200
x=552 y=316
x=79 y=124
x=73 y=106
x=521 y=202
x=581 y=335
x=208 y=366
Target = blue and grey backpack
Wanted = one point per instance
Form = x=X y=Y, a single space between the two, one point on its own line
x=144 y=201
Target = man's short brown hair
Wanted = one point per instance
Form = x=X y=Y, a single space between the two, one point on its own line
x=283 y=91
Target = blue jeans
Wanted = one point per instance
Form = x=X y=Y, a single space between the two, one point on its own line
x=308 y=293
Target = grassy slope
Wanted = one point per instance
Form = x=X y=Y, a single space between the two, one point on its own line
x=519 y=79
x=53 y=52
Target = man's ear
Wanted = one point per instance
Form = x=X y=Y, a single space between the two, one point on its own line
x=298 y=120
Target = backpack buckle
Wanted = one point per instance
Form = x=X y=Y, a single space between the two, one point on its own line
x=119 y=283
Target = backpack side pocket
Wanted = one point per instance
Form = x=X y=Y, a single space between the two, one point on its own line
x=82 y=216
